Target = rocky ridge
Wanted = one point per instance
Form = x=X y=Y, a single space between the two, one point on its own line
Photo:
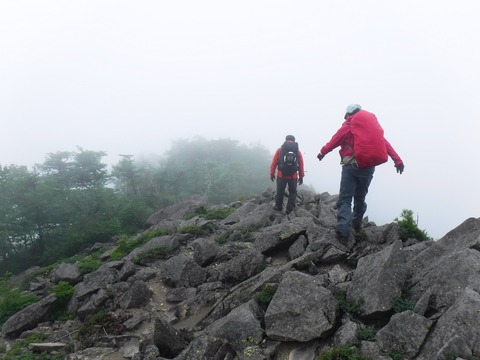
x=261 y=284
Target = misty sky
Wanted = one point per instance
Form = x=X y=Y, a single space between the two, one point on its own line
x=130 y=77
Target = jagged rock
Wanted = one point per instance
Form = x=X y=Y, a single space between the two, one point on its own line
x=177 y=211
x=29 y=317
x=66 y=272
x=457 y=331
x=406 y=331
x=95 y=353
x=346 y=333
x=214 y=292
x=282 y=235
x=182 y=270
x=167 y=339
x=136 y=297
x=205 y=251
x=302 y=309
x=378 y=280
x=169 y=242
x=298 y=247
x=246 y=264
x=127 y=270
x=95 y=281
x=47 y=347
x=240 y=328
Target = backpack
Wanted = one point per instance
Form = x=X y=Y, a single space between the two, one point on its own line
x=368 y=142
x=288 y=160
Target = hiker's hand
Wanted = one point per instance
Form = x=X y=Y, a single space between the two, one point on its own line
x=320 y=156
x=300 y=181
x=400 y=167
x=272 y=177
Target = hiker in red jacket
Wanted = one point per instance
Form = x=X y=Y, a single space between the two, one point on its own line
x=355 y=180
x=288 y=161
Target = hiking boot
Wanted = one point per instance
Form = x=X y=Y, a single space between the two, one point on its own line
x=343 y=238
x=277 y=208
x=289 y=209
x=357 y=225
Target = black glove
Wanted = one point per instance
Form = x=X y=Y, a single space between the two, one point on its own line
x=300 y=181
x=400 y=167
x=272 y=177
x=320 y=156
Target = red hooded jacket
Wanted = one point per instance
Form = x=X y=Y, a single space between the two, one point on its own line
x=344 y=138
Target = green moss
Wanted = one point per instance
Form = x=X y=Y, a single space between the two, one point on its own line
x=127 y=245
x=158 y=253
x=265 y=295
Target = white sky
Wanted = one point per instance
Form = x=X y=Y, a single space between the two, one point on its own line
x=128 y=77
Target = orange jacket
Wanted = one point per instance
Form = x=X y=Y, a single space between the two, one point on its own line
x=299 y=174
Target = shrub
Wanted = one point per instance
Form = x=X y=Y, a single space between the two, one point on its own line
x=409 y=227
x=158 y=253
x=342 y=353
x=12 y=299
x=127 y=245
x=265 y=295
x=210 y=214
x=353 y=307
x=89 y=264
x=403 y=303
x=366 y=333
x=97 y=325
x=63 y=291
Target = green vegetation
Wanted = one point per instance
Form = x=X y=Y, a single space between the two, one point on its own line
x=19 y=350
x=63 y=291
x=72 y=200
x=403 y=302
x=149 y=256
x=88 y=264
x=342 y=353
x=353 y=307
x=193 y=230
x=367 y=333
x=97 y=325
x=397 y=354
x=12 y=299
x=409 y=227
x=265 y=295
x=210 y=214
x=127 y=245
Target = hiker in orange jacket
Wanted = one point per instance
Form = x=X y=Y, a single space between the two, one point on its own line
x=355 y=181
x=289 y=171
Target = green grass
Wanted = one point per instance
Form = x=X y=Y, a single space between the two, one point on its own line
x=353 y=307
x=210 y=214
x=158 y=253
x=265 y=295
x=19 y=350
x=342 y=353
x=127 y=245
x=12 y=299
x=366 y=334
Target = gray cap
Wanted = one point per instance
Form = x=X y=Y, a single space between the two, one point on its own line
x=352 y=109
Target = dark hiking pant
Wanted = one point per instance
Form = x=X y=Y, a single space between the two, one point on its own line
x=282 y=183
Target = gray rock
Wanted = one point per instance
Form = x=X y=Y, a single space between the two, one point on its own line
x=167 y=339
x=378 y=280
x=301 y=309
x=29 y=317
x=182 y=270
x=136 y=297
x=66 y=272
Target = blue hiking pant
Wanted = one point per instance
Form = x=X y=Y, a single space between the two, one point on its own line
x=353 y=185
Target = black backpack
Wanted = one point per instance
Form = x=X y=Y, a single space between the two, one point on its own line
x=288 y=160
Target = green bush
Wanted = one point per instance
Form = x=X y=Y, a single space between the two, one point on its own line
x=409 y=227
x=342 y=353
x=158 y=253
x=353 y=307
x=218 y=213
x=265 y=295
x=367 y=333
x=89 y=264
x=127 y=245
x=63 y=291
x=12 y=299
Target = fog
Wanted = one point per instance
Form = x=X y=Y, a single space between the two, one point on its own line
x=131 y=77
